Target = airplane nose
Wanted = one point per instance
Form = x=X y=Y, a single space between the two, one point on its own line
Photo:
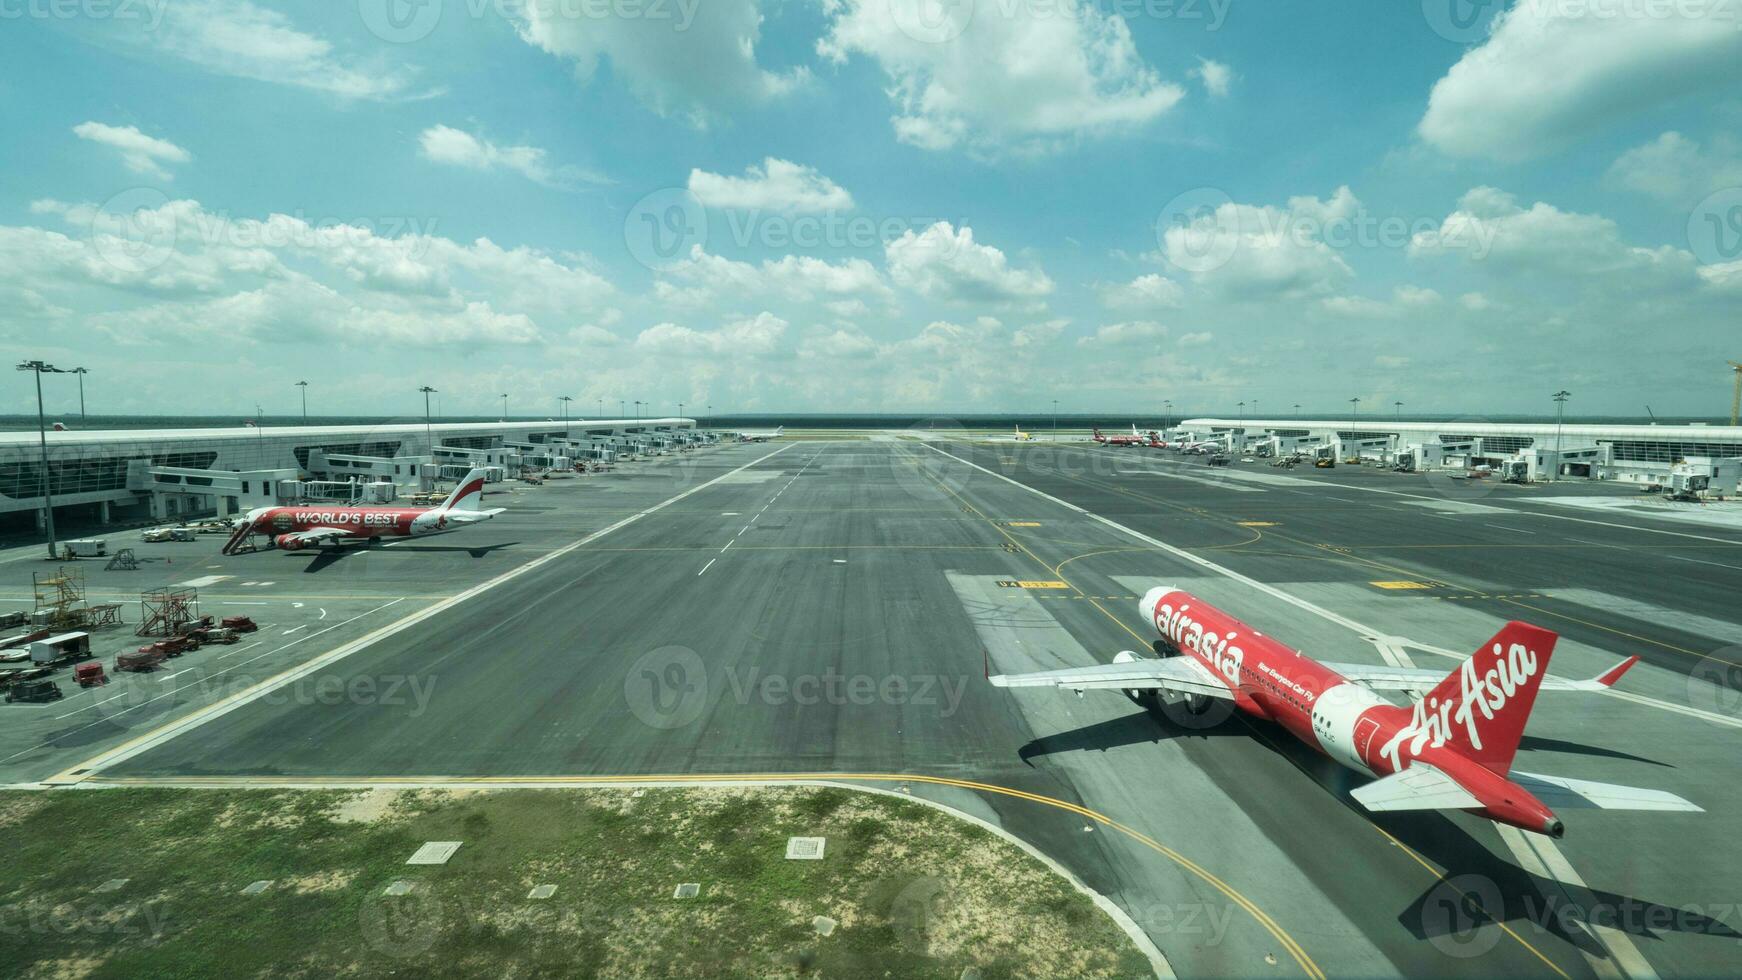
x=1148 y=603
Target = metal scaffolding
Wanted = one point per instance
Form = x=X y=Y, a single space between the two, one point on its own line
x=60 y=597
x=164 y=611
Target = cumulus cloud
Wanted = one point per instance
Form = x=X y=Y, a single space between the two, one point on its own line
x=1027 y=79
x=1550 y=73
x=1678 y=170
x=1129 y=332
x=755 y=336
x=1256 y=252
x=945 y=263
x=777 y=185
x=142 y=154
x=244 y=40
x=1198 y=339
x=458 y=148
x=703 y=278
x=697 y=61
x=1216 y=77
x=1149 y=291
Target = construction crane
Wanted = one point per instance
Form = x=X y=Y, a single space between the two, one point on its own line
x=1736 y=396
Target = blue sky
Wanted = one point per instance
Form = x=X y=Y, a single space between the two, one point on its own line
x=874 y=205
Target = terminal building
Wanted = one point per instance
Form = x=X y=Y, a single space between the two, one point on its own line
x=171 y=474
x=1647 y=454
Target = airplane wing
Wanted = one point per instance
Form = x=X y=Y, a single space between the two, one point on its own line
x=1180 y=674
x=1419 y=787
x=320 y=535
x=472 y=516
x=1413 y=679
x=1572 y=794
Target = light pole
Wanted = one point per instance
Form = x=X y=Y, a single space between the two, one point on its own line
x=1356 y=401
x=303 y=387
x=1242 y=406
x=428 y=440
x=1399 y=407
x=81 y=372
x=42 y=442
x=1167 y=420
x=620 y=410
x=505 y=406
x=680 y=410
x=710 y=411
x=637 y=409
x=1055 y=420
x=1560 y=407
x=564 y=399
x=601 y=408
x=1297 y=408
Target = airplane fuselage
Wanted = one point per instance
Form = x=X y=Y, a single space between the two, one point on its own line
x=1344 y=720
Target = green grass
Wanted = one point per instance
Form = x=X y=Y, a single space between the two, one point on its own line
x=917 y=892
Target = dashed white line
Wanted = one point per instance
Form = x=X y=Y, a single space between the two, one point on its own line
x=709 y=565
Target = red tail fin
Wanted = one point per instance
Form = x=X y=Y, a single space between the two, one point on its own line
x=1487 y=700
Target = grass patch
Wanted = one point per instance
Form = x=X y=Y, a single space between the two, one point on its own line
x=916 y=892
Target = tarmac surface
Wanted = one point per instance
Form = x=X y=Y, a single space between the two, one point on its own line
x=828 y=609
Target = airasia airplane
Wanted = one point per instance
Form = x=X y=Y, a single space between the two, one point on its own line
x=1120 y=440
x=296 y=528
x=1451 y=750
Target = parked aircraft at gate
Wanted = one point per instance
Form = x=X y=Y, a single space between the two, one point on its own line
x=295 y=528
x=1450 y=750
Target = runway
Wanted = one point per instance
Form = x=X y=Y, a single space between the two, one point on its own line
x=830 y=609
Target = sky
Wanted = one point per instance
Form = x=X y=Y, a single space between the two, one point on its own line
x=873 y=205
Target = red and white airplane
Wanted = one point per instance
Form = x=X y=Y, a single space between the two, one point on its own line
x=1134 y=439
x=1451 y=750
x=296 y=528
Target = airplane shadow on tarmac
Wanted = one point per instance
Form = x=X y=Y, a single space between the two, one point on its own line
x=327 y=557
x=1478 y=885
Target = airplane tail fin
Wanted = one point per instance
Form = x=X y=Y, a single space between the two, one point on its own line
x=1490 y=695
x=468 y=493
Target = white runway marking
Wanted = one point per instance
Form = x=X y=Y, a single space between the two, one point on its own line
x=709 y=565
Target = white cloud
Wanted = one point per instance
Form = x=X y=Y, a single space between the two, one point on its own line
x=1020 y=77
x=1149 y=291
x=1491 y=229
x=458 y=148
x=840 y=345
x=1250 y=252
x=1475 y=302
x=755 y=336
x=1678 y=170
x=944 y=263
x=1217 y=77
x=142 y=154
x=593 y=335
x=695 y=60
x=777 y=185
x=1130 y=332
x=1197 y=339
x=1404 y=300
x=1552 y=72
x=702 y=279
x=239 y=38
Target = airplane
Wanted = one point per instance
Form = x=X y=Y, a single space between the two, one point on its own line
x=1450 y=750
x=1022 y=436
x=760 y=435
x=1120 y=440
x=298 y=527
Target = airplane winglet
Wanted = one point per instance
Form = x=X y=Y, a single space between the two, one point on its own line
x=1608 y=677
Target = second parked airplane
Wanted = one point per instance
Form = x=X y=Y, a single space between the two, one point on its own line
x=296 y=528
